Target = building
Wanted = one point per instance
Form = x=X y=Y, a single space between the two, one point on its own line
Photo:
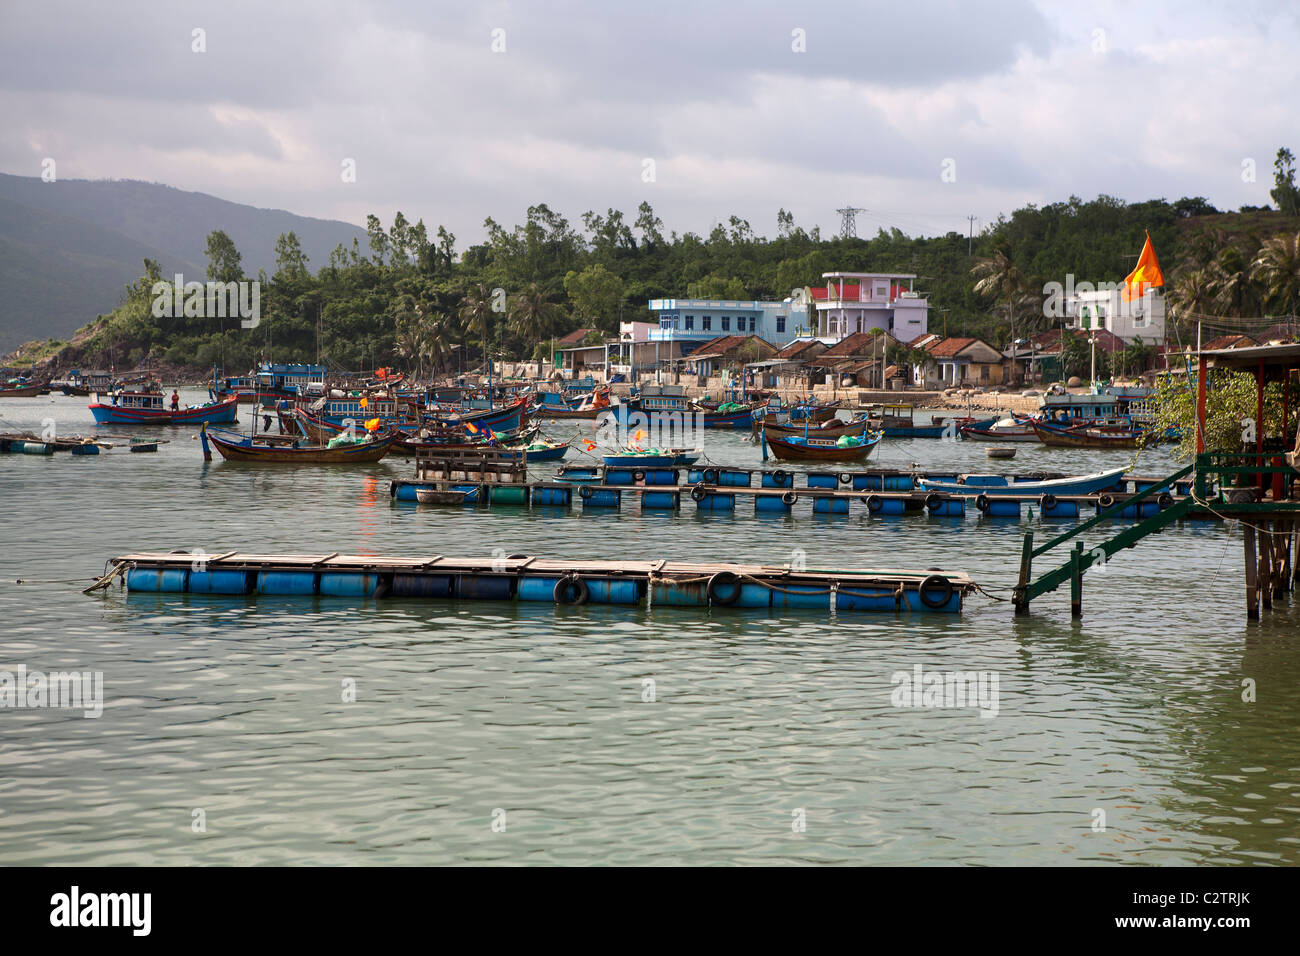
x=1106 y=309
x=729 y=352
x=690 y=323
x=961 y=362
x=854 y=302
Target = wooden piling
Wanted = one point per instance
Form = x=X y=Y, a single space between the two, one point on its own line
x=1076 y=580
x=1252 y=589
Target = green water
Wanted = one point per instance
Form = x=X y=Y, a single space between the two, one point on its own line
x=235 y=707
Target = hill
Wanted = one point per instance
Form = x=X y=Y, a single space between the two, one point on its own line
x=68 y=248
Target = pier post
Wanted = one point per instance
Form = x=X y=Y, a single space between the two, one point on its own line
x=1020 y=596
x=1252 y=591
x=1076 y=580
x=1265 y=566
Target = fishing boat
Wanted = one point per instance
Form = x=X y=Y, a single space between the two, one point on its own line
x=811 y=448
x=87 y=383
x=654 y=458
x=1004 y=429
x=999 y=485
x=147 y=408
x=273 y=383
x=540 y=450
x=1083 y=436
x=814 y=413
x=440 y=496
x=279 y=450
x=23 y=388
x=832 y=428
x=899 y=421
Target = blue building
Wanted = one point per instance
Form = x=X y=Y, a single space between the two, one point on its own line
x=691 y=322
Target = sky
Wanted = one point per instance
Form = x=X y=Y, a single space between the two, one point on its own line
x=922 y=113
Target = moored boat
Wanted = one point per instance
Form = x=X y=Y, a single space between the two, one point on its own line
x=811 y=448
x=279 y=450
x=1083 y=436
x=999 y=485
x=147 y=408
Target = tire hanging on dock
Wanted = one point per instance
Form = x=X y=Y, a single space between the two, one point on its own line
x=982 y=502
x=789 y=498
x=724 y=589
x=1047 y=502
x=945 y=589
x=874 y=503
x=934 y=501
x=698 y=493
x=571 y=589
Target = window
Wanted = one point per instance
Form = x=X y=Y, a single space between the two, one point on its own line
x=726 y=323
x=690 y=322
x=706 y=322
x=753 y=322
x=780 y=323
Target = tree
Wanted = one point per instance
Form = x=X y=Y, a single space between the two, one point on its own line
x=596 y=294
x=476 y=313
x=224 y=262
x=1284 y=191
x=290 y=260
x=651 y=226
x=716 y=287
x=1276 y=270
x=1230 y=399
x=378 y=238
x=1000 y=277
x=532 y=315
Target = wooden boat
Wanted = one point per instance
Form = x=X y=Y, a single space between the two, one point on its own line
x=281 y=451
x=641 y=459
x=814 y=413
x=742 y=417
x=1006 y=429
x=996 y=452
x=999 y=485
x=23 y=391
x=1086 y=437
x=440 y=496
x=147 y=408
x=798 y=448
x=832 y=428
x=899 y=421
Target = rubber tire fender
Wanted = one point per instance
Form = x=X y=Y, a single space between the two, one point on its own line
x=982 y=502
x=934 y=501
x=718 y=584
x=933 y=581
x=571 y=583
x=698 y=493
x=874 y=503
x=1047 y=501
x=789 y=498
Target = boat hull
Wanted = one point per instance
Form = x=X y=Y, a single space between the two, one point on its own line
x=1069 y=438
x=222 y=413
x=818 y=449
x=277 y=454
x=1078 y=485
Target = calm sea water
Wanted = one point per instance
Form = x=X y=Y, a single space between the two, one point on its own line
x=535 y=717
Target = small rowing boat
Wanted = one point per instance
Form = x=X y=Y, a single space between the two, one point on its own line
x=999 y=485
x=284 y=450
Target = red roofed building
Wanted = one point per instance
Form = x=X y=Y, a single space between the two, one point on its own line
x=852 y=302
x=961 y=362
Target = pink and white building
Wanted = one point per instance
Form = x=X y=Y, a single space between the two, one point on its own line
x=852 y=302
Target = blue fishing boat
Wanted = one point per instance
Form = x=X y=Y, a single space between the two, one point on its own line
x=999 y=485
x=147 y=408
x=637 y=459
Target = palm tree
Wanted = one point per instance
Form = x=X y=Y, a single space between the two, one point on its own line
x=1235 y=293
x=1277 y=271
x=1000 y=277
x=532 y=314
x=409 y=345
x=435 y=341
x=476 y=313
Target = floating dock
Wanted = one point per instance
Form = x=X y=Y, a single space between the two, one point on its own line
x=721 y=490
x=527 y=578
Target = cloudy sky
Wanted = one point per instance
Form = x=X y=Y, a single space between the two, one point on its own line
x=922 y=112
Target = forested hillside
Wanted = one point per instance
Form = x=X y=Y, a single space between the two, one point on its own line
x=408 y=296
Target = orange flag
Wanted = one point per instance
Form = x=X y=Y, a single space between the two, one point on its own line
x=1146 y=273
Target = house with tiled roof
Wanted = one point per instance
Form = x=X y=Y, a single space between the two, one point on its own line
x=961 y=362
x=574 y=338
x=1229 y=342
x=729 y=351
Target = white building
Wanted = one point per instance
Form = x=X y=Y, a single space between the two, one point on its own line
x=1142 y=318
x=852 y=302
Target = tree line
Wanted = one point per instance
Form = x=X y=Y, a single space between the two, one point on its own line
x=409 y=297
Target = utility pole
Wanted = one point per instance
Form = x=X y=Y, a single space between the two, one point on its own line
x=970 y=238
